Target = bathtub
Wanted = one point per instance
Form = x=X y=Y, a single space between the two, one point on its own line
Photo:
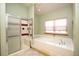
x=53 y=45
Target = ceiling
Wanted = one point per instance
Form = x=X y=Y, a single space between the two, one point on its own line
x=47 y=7
x=28 y=4
x=42 y=8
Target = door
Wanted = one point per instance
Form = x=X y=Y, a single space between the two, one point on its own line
x=13 y=34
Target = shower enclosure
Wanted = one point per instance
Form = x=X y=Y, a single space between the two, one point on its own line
x=19 y=33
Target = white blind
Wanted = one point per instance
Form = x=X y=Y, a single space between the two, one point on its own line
x=56 y=26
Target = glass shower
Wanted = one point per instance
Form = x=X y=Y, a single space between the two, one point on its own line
x=19 y=33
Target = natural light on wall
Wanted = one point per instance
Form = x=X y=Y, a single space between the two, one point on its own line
x=58 y=26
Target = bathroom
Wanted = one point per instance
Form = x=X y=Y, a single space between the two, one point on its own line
x=29 y=26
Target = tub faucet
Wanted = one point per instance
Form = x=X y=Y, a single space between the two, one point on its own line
x=62 y=42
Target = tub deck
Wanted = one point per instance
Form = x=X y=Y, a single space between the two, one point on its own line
x=52 y=45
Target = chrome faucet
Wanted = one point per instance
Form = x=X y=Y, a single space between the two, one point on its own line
x=62 y=42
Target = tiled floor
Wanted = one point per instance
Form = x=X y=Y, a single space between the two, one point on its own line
x=29 y=52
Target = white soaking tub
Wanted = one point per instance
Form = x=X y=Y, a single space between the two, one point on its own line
x=53 y=45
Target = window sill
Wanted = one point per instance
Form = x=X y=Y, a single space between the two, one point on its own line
x=57 y=33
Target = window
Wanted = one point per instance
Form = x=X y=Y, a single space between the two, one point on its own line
x=58 y=26
x=49 y=26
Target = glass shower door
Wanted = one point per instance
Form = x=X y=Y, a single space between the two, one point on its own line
x=13 y=34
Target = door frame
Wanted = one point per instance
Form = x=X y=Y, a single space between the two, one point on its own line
x=3 y=41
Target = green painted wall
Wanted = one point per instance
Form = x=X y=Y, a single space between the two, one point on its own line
x=36 y=24
x=76 y=29
x=30 y=11
x=57 y=14
x=17 y=9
